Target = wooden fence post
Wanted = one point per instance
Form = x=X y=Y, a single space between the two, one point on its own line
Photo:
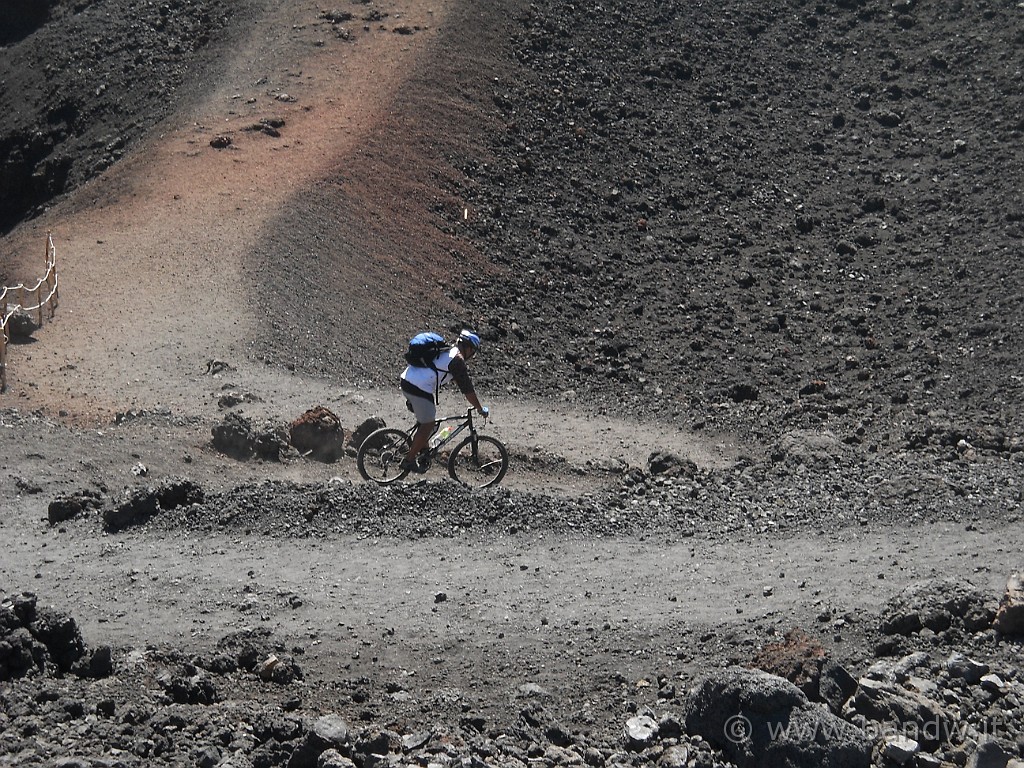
x=52 y=293
x=52 y=255
x=3 y=345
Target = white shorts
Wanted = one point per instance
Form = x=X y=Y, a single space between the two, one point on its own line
x=424 y=409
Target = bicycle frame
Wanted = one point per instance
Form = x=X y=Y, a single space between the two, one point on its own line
x=478 y=461
x=466 y=423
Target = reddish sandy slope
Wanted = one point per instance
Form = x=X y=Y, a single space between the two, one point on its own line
x=154 y=257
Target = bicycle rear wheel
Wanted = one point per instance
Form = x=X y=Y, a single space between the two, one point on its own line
x=380 y=456
x=479 y=461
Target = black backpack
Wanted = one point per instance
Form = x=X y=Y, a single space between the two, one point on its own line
x=424 y=349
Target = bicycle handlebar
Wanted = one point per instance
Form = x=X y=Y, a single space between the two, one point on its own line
x=485 y=412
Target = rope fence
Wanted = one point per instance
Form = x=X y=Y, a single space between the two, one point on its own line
x=13 y=301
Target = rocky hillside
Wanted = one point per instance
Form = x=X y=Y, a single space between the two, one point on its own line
x=83 y=81
x=790 y=216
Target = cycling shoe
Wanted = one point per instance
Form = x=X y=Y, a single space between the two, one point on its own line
x=413 y=466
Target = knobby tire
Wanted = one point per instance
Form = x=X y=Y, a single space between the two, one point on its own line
x=380 y=456
x=481 y=467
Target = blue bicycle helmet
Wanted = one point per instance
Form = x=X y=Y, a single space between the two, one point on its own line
x=471 y=337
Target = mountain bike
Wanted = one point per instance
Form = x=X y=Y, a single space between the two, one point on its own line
x=479 y=461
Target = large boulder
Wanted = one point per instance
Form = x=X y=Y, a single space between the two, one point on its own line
x=797 y=657
x=937 y=605
x=900 y=710
x=811 y=448
x=318 y=433
x=328 y=733
x=67 y=506
x=236 y=436
x=760 y=720
x=1010 y=616
x=59 y=633
x=40 y=639
x=143 y=503
x=803 y=661
x=367 y=428
x=668 y=464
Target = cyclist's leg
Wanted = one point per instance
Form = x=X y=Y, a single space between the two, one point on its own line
x=426 y=417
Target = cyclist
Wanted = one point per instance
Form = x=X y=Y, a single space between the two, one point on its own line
x=421 y=387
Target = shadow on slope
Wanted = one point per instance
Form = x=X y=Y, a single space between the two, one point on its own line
x=372 y=253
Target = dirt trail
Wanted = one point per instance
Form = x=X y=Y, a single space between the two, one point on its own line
x=552 y=609
x=150 y=255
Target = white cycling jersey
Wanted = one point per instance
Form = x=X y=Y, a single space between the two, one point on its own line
x=428 y=379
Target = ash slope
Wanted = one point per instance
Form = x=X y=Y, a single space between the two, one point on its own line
x=806 y=216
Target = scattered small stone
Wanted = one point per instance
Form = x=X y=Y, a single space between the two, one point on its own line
x=961 y=666
x=641 y=732
x=900 y=749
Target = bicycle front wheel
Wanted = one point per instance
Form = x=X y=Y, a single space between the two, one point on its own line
x=479 y=461
x=380 y=456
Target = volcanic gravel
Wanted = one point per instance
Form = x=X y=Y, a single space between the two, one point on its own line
x=803 y=215
x=800 y=224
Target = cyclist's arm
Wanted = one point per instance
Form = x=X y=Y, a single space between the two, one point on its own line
x=460 y=374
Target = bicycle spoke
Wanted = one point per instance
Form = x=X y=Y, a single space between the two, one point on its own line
x=478 y=462
x=381 y=454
